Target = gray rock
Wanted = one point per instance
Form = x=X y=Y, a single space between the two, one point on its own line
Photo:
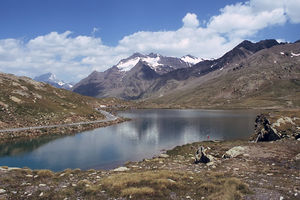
x=163 y=155
x=264 y=131
x=200 y=156
x=2 y=191
x=234 y=152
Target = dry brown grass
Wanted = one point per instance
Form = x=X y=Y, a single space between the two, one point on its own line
x=138 y=191
x=156 y=183
x=225 y=188
x=159 y=184
x=44 y=173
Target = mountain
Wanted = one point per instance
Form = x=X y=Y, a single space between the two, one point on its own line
x=263 y=75
x=52 y=80
x=154 y=76
x=160 y=64
x=131 y=77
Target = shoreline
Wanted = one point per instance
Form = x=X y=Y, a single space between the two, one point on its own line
x=27 y=133
x=56 y=131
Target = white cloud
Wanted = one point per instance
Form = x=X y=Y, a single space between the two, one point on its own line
x=290 y=7
x=73 y=58
x=190 y=20
x=242 y=20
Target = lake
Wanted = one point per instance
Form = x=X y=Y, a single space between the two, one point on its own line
x=149 y=132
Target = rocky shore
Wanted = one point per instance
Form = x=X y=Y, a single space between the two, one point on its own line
x=58 y=131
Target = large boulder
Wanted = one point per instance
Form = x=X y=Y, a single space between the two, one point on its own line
x=200 y=156
x=235 y=151
x=264 y=131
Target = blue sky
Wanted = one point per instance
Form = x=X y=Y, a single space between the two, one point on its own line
x=114 y=18
x=74 y=37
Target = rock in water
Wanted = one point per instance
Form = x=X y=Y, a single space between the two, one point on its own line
x=201 y=157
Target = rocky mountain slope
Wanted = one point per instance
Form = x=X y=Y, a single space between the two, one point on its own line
x=164 y=80
x=51 y=79
x=25 y=102
x=131 y=77
x=267 y=78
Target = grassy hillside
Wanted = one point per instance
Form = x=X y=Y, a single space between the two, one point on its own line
x=24 y=102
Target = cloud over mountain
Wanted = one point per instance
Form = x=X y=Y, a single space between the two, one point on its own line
x=74 y=57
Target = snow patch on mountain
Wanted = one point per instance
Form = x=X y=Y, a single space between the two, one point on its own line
x=191 y=59
x=295 y=54
x=152 y=62
x=128 y=64
x=157 y=62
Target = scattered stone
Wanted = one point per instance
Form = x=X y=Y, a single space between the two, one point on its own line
x=29 y=175
x=2 y=191
x=172 y=181
x=15 y=99
x=163 y=155
x=225 y=156
x=74 y=185
x=42 y=185
x=121 y=169
x=41 y=194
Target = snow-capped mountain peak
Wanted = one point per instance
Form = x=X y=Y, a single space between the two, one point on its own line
x=127 y=64
x=51 y=79
x=191 y=59
x=160 y=64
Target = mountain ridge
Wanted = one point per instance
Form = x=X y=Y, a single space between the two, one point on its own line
x=115 y=83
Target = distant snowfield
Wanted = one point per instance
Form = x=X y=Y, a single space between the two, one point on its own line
x=153 y=62
x=191 y=60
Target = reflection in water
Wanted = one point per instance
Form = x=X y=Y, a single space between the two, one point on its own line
x=20 y=147
x=144 y=136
